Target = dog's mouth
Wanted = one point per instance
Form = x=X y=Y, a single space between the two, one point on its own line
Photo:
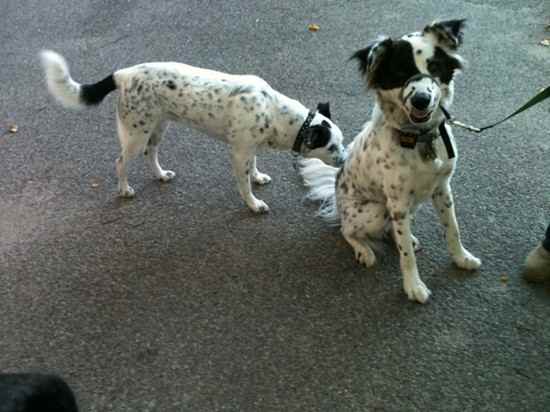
x=420 y=116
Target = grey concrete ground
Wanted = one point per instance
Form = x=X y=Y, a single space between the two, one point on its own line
x=182 y=300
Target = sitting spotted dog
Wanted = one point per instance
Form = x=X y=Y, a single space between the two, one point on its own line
x=404 y=155
x=242 y=110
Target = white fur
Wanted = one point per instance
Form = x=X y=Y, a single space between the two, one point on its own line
x=59 y=81
x=321 y=180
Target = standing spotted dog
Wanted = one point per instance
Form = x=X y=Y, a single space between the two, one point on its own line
x=405 y=154
x=242 y=110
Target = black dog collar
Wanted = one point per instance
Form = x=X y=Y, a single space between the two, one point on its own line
x=409 y=140
x=300 y=136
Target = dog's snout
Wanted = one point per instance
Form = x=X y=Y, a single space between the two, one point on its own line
x=421 y=101
x=340 y=158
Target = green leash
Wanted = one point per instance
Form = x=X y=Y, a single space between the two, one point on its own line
x=539 y=97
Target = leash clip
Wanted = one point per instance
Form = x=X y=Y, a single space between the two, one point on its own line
x=455 y=122
x=465 y=126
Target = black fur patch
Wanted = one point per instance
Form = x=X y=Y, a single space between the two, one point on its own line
x=92 y=94
x=316 y=136
x=443 y=66
x=388 y=64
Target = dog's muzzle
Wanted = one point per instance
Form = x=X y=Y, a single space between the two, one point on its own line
x=339 y=161
x=420 y=100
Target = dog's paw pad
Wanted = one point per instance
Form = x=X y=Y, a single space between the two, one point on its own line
x=366 y=258
x=260 y=207
x=261 y=178
x=418 y=291
x=467 y=261
x=166 y=176
x=127 y=192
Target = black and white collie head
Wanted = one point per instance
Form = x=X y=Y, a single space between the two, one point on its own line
x=413 y=75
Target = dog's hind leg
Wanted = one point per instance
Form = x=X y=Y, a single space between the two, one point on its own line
x=132 y=142
x=151 y=154
x=362 y=220
x=443 y=202
x=257 y=176
x=243 y=162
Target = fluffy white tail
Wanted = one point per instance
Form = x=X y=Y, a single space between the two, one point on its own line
x=60 y=84
x=68 y=92
x=320 y=178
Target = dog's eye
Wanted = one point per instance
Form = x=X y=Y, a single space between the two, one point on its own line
x=325 y=123
x=332 y=148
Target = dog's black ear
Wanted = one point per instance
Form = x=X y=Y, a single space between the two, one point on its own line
x=324 y=109
x=448 y=33
x=316 y=136
x=370 y=58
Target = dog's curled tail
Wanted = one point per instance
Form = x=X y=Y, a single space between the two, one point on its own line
x=68 y=92
x=320 y=179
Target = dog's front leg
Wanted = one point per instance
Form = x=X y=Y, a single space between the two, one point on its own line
x=443 y=202
x=243 y=164
x=401 y=225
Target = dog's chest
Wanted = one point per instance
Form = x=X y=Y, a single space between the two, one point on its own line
x=391 y=171
x=421 y=175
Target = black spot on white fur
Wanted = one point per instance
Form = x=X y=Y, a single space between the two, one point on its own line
x=170 y=84
x=241 y=90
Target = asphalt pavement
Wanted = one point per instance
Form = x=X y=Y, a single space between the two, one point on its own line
x=183 y=300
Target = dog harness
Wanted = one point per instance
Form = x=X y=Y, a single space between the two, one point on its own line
x=301 y=135
x=409 y=140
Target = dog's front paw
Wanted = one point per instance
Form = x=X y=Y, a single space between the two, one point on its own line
x=365 y=257
x=261 y=178
x=466 y=260
x=127 y=192
x=259 y=206
x=417 y=291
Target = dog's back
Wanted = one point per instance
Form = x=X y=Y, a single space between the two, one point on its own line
x=208 y=100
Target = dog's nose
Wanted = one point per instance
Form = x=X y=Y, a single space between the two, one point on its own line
x=421 y=101
x=339 y=161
